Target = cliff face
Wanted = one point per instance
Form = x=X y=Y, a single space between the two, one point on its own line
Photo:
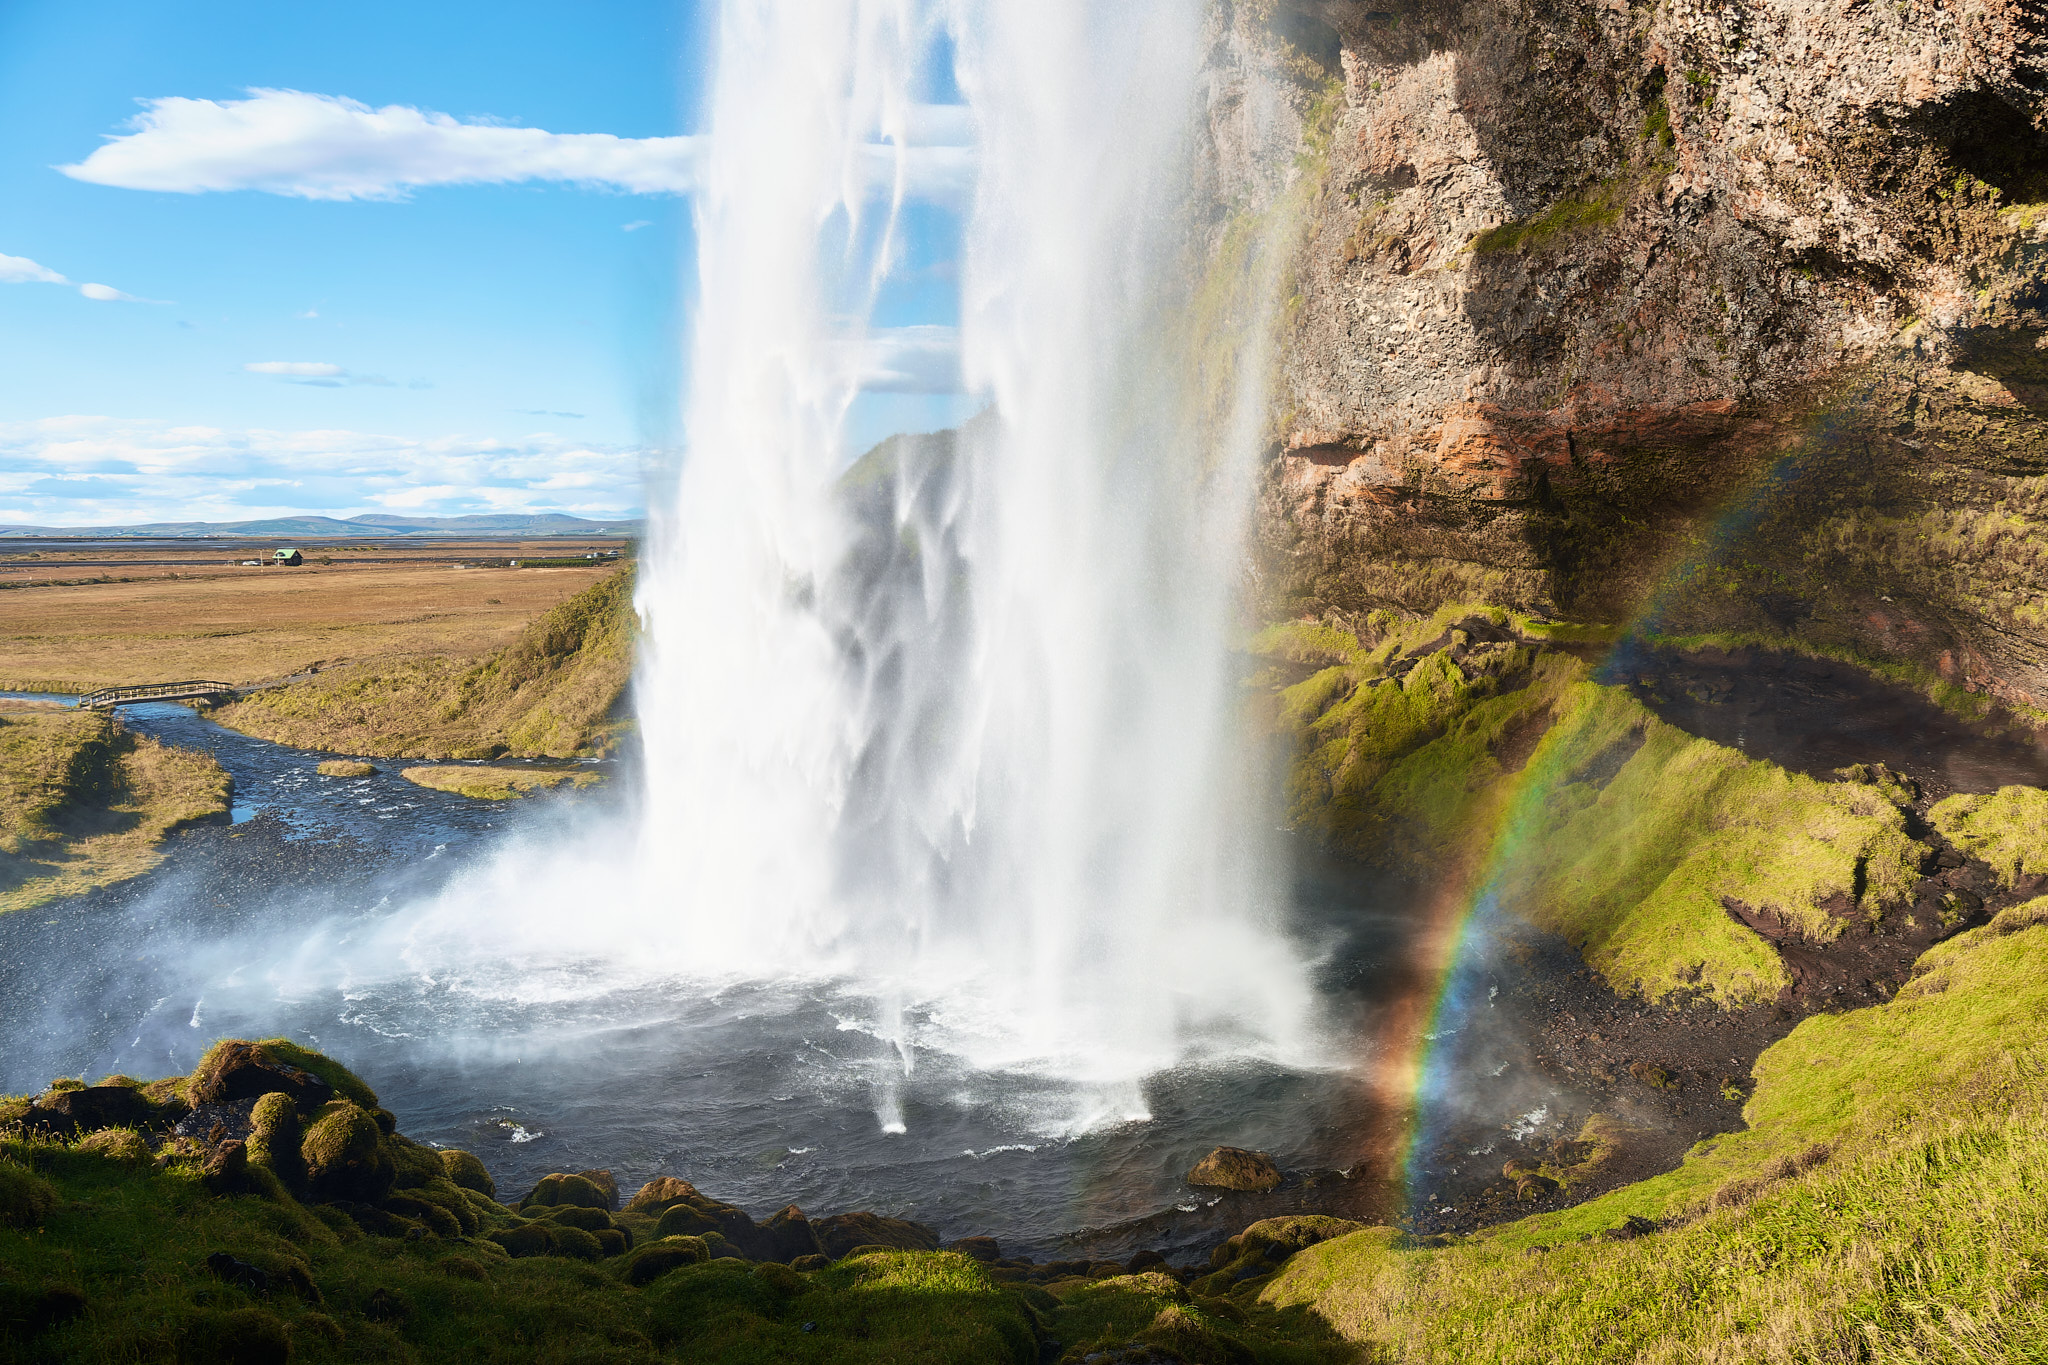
x=1733 y=311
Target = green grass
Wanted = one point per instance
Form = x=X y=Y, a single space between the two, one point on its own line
x=84 y=802
x=1595 y=210
x=1588 y=815
x=553 y=692
x=1883 y=1205
x=2007 y=828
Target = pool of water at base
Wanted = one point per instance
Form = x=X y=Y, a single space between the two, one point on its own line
x=760 y=1093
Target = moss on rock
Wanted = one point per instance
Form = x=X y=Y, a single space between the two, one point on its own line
x=345 y=1156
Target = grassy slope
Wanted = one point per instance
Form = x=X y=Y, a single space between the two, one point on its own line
x=84 y=803
x=1883 y=1205
x=1618 y=831
x=551 y=692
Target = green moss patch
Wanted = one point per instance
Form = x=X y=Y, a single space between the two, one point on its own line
x=1877 y=1208
x=2007 y=828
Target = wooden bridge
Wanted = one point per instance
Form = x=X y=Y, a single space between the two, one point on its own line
x=109 y=697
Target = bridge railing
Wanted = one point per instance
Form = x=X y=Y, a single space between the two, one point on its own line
x=114 y=696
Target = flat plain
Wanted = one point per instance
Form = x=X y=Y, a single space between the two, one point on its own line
x=205 y=616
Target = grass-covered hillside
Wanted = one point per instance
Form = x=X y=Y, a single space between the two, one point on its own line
x=83 y=802
x=554 y=692
x=1470 y=746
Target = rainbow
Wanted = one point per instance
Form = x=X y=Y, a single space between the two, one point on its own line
x=1413 y=1078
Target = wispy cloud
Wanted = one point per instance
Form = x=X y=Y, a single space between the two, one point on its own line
x=86 y=471
x=321 y=374
x=547 y=412
x=637 y=224
x=924 y=359
x=314 y=146
x=22 y=270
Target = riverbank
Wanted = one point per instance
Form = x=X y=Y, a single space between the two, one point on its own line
x=556 y=690
x=85 y=803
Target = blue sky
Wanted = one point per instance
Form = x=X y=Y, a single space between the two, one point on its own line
x=288 y=287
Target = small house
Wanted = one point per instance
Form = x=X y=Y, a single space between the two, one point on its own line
x=288 y=556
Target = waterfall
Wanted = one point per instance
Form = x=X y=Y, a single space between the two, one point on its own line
x=959 y=723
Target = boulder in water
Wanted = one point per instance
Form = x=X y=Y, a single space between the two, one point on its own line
x=1234 y=1168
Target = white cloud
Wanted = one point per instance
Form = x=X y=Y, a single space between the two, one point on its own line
x=313 y=146
x=106 y=293
x=22 y=270
x=88 y=471
x=923 y=359
x=322 y=374
x=637 y=224
x=302 y=369
x=309 y=313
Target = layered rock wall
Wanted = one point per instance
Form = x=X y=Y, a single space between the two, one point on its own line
x=1729 y=313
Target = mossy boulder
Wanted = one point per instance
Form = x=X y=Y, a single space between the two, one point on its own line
x=425 y=1212
x=274 y=1139
x=840 y=1234
x=656 y=1259
x=345 y=1155
x=787 y=1234
x=563 y=1188
x=578 y=1216
x=661 y=1193
x=89 y=1108
x=413 y=1164
x=236 y=1069
x=26 y=1199
x=468 y=1172
x=1234 y=1168
x=684 y=1220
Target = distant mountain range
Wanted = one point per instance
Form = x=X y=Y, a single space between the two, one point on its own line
x=508 y=524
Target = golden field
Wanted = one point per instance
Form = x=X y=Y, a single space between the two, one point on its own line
x=254 y=625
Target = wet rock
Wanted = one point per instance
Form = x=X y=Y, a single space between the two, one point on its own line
x=90 y=1109
x=842 y=1233
x=232 y=1119
x=1234 y=1168
x=980 y=1248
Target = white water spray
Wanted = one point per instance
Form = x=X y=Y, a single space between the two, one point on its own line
x=959 y=725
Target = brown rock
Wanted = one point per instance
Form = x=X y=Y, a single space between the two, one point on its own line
x=660 y=1192
x=89 y=1110
x=843 y=1232
x=1234 y=1168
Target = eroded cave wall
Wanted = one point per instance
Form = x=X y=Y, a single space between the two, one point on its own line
x=1733 y=312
